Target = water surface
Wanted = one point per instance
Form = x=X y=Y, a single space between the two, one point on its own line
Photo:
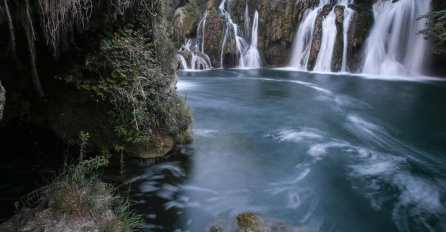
x=330 y=152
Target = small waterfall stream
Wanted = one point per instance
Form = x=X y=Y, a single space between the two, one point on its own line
x=252 y=57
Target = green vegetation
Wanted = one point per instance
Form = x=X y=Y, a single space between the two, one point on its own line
x=113 y=55
x=77 y=200
x=436 y=30
x=131 y=79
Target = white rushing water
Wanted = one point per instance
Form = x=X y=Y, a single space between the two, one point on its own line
x=247 y=54
x=252 y=56
x=194 y=50
x=323 y=62
x=304 y=36
x=196 y=58
x=348 y=16
x=394 y=47
x=302 y=41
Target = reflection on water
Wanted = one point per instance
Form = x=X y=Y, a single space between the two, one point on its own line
x=332 y=153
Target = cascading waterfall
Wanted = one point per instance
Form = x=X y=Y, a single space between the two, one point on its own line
x=197 y=58
x=323 y=62
x=247 y=54
x=193 y=50
x=302 y=41
x=304 y=36
x=393 y=47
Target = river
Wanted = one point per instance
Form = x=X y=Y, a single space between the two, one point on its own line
x=327 y=152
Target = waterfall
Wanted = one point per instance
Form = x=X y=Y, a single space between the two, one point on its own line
x=323 y=62
x=190 y=51
x=193 y=50
x=247 y=54
x=349 y=13
x=183 y=62
x=302 y=40
x=393 y=47
x=201 y=30
x=304 y=37
x=252 y=57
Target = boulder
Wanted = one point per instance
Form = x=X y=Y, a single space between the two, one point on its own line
x=251 y=222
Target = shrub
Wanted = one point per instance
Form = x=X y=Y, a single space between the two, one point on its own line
x=436 y=30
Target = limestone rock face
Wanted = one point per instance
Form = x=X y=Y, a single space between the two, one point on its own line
x=360 y=27
x=278 y=23
x=317 y=36
x=2 y=100
x=336 y=62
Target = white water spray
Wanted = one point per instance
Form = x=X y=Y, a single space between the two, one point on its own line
x=247 y=54
x=393 y=47
x=190 y=51
x=304 y=36
x=252 y=56
x=323 y=62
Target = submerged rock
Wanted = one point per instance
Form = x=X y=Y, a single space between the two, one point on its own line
x=251 y=222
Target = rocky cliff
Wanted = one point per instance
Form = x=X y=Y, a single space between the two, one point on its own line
x=103 y=67
x=278 y=24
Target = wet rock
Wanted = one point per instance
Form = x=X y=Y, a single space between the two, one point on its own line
x=160 y=146
x=251 y=222
x=360 y=27
x=214 y=32
x=216 y=229
x=317 y=36
x=2 y=100
x=336 y=61
x=278 y=22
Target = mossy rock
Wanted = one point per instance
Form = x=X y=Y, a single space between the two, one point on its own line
x=159 y=146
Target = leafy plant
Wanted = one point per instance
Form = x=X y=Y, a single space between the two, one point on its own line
x=132 y=80
x=436 y=30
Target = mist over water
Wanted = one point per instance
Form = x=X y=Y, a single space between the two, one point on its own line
x=331 y=153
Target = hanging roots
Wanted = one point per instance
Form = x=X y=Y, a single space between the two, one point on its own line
x=59 y=17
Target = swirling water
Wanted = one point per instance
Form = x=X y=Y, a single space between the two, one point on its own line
x=328 y=152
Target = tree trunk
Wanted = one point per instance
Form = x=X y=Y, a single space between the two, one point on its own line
x=11 y=27
x=30 y=36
